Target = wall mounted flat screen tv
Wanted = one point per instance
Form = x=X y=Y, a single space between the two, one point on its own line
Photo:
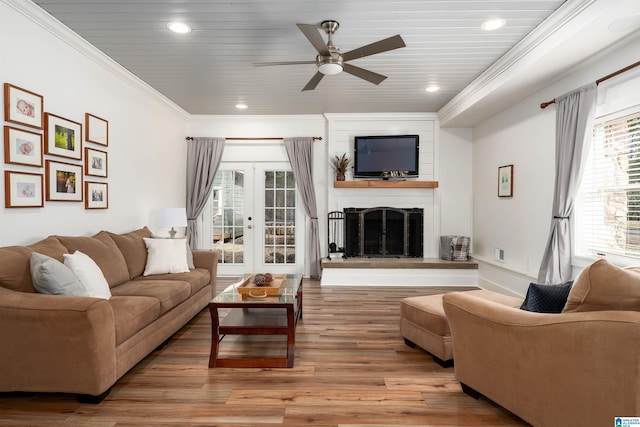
x=374 y=155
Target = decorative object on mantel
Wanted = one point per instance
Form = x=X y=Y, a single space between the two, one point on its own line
x=505 y=181
x=340 y=164
x=394 y=175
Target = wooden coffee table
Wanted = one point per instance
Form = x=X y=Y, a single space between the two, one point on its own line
x=270 y=315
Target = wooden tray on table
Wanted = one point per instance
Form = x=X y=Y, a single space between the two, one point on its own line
x=248 y=288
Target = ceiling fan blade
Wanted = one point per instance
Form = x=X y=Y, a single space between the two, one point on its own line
x=312 y=33
x=266 y=64
x=390 y=43
x=313 y=82
x=367 y=75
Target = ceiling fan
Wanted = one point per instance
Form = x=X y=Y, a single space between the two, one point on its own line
x=331 y=61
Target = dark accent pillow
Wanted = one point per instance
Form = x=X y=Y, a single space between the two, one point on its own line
x=546 y=298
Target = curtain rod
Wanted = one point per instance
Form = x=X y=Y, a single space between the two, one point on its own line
x=315 y=138
x=600 y=80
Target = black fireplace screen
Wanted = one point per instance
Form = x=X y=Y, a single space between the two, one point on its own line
x=383 y=232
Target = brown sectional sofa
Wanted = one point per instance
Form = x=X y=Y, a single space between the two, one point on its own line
x=83 y=345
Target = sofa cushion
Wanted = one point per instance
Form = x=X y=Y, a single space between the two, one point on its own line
x=15 y=268
x=169 y=293
x=104 y=251
x=52 y=277
x=604 y=286
x=165 y=256
x=197 y=278
x=546 y=298
x=89 y=274
x=133 y=249
x=132 y=313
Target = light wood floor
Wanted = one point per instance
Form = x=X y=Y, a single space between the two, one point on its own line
x=351 y=369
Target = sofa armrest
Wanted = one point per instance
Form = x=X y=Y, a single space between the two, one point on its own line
x=206 y=259
x=550 y=369
x=53 y=343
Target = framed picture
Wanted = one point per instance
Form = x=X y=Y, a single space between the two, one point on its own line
x=97 y=129
x=95 y=162
x=62 y=137
x=23 y=106
x=22 y=147
x=64 y=181
x=505 y=181
x=22 y=190
x=96 y=195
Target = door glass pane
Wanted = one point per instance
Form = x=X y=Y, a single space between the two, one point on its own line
x=279 y=216
x=228 y=216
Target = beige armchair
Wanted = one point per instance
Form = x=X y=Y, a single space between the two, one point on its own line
x=569 y=369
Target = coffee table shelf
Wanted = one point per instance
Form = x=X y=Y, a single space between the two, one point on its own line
x=273 y=315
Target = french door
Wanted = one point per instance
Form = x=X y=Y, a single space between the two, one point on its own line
x=255 y=220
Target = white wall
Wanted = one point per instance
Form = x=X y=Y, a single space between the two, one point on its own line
x=342 y=128
x=450 y=158
x=455 y=189
x=146 y=132
x=524 y=135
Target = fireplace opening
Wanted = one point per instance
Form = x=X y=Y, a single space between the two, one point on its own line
x=383 y=232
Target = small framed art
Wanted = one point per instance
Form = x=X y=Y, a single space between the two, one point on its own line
x=22 y=190
x=96 y=195
x=22 y=147
x=23 y=106
x=97 y=129
x=505 y=181
x=64 y=181
x=63 y=137
x=95 y=162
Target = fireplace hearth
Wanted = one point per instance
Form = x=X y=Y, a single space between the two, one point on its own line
x=384 y=232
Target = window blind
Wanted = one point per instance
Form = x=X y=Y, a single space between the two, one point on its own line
x=610 y=208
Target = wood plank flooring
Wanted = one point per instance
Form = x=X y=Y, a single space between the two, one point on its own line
x=351 y=369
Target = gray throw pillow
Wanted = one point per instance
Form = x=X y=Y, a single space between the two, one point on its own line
x=52 y=277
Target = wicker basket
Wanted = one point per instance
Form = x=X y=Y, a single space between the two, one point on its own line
x=454 y=248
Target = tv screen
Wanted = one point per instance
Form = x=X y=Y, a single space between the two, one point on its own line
x=374 y=155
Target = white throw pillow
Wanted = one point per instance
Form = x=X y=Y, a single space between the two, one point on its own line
x=165 y=256
x=52 y=277
x=89 y=274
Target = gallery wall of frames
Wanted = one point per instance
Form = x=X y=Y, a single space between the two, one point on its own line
x=48 y=157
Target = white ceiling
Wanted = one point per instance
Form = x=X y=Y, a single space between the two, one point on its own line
x=211 y=69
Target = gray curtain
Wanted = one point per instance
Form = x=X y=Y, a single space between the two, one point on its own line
x=203 y=159
x=574 y=127
x=300 y=152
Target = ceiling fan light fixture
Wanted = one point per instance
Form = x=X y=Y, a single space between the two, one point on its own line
x=330 y=69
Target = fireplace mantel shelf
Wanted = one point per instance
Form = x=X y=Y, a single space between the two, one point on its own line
x=385 y=184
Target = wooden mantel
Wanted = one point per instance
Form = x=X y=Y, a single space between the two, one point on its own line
x=385 y=184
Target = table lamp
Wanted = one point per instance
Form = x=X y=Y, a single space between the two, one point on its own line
x=172 y=217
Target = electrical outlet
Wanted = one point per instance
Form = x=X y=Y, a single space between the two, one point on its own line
x=500 y=255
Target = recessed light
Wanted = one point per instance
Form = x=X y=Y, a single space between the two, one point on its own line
x=493 y=24
x=432 y=88
x=242 y=106
x=179 y=27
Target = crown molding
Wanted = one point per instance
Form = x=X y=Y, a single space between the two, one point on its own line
x=511 y=63
x=57 y=29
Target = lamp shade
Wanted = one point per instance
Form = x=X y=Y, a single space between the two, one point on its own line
x=172 y=217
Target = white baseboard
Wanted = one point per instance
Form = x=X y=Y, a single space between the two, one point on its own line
x=399 y=277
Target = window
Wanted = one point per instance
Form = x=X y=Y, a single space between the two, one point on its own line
x=608 y=208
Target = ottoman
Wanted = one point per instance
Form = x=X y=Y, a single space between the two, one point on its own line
x=424 y=324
